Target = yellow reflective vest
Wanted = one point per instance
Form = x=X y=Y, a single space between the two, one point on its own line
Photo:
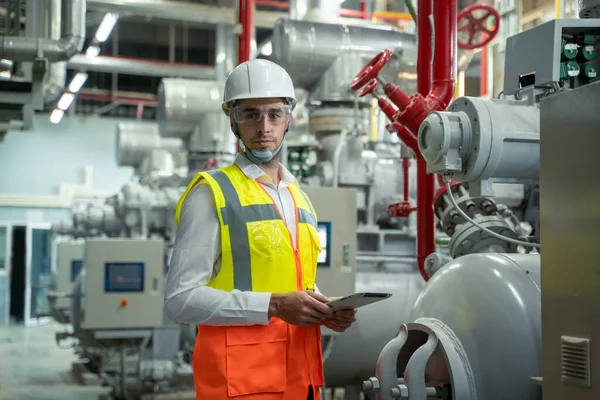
x=277 y=361
x=257 y=248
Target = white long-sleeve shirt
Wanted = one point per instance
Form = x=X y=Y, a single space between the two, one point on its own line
x=196 y=258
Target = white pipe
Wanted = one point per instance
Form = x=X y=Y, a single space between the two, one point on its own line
x=64 y=199
x=336 y=156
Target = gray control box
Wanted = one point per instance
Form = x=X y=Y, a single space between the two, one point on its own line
x=336 y=215
x=124 y=283
x=537 y=57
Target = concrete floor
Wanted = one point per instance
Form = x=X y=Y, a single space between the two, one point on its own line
x=33 y=367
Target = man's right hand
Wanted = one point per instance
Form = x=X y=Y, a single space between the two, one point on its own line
x=305 y=308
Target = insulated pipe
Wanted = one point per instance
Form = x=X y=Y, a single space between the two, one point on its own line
x=18 y=48
x=308 y=49
x=43 y=21
x=56 y=76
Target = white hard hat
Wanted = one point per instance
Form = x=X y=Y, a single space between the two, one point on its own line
x=256 y=79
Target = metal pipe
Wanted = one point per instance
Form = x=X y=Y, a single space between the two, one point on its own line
x=223 y=52
x=134 y=66
x=247 y=39
x=71 y=42
x=337 y=155
x=43 y=21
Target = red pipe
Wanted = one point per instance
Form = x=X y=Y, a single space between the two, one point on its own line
x=425 y=182
x=245 y=39
x=121 y=100
x=424 y=52
x=444 y=73
x=405 y=169
x=272 y=3
x=483 y=73
x=363 y=9
x=403 y=134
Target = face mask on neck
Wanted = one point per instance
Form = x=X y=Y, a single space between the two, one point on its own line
x=260 y=156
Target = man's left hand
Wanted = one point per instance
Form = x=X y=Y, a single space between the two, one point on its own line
x=341 y=320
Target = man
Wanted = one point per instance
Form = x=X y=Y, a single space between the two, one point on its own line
x=244 y=263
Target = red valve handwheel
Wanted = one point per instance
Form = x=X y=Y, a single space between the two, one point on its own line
x=368 y=88
x=469 y=23
x=371 y=70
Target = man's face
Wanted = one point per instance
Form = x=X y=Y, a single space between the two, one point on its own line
x=261 y=123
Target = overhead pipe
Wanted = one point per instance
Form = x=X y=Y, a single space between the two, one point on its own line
x=19 y=48
x=246 y=39
x=115 y=99
x=136 y=66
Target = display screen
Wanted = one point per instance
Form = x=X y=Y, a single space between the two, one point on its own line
x=124 y=277
x=75 y=269
x=324 y=229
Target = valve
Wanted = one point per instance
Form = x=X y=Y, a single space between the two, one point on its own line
x=402 y=209
x=468 y=23
x=369 y=88
x=371 y=70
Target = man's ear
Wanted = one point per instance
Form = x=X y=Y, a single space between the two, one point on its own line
x=233 y=127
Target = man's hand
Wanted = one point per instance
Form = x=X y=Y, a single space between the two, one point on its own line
x=302 y=308
x=340 y=320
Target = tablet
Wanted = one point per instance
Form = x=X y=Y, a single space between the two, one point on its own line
x=357 y=300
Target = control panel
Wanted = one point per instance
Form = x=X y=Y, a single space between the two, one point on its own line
x=562 y=53
x=124 y=283
x=336 y=225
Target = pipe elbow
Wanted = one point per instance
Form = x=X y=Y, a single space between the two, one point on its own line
x=66 y=48
x=441 y=93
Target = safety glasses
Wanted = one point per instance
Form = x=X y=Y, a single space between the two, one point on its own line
x=276 y=114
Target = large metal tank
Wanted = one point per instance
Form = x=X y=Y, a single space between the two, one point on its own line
x=477 y=328
x=354 y=353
